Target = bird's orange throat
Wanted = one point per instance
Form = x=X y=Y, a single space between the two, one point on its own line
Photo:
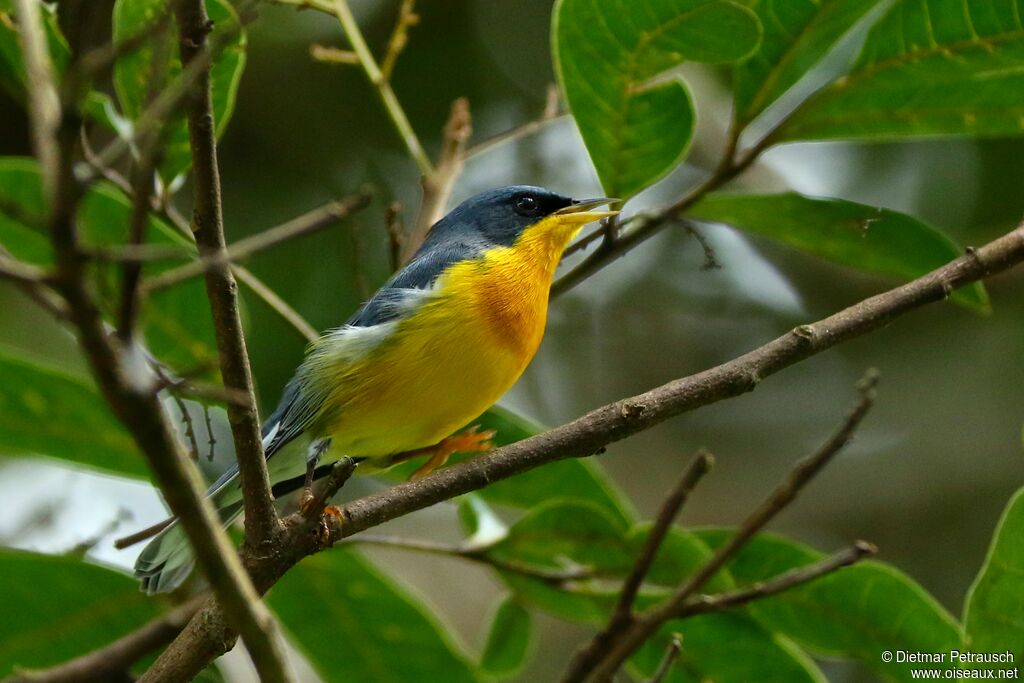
x=513 y=285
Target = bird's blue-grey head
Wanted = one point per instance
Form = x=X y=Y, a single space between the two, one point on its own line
x=498 y=217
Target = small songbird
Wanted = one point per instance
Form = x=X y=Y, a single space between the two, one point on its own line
x=435 y=347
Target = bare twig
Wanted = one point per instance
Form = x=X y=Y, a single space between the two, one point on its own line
x=675 y=646
x=670 y=508
x=262 y=527
x=276 y=303
x=396 y=234
x=16 y=271
x=209 y=633
x=117 y=657
x=477 y=554
x=131 y=272
x=438 y=185
x=306 y=224
x=783 y=582
x=601 y=658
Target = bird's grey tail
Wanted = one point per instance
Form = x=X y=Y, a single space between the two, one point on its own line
x=167 y=560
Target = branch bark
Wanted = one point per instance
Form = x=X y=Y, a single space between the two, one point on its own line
x=197 y=645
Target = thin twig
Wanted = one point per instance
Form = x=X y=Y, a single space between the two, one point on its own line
x=276 y=303
x=477 y=554
x=670 y=508
x=301 y=226
x=675 y=646
x=387 y=95
x=131 y=272
x=783 y=582
x=598 y=661
x=24 y=273
x=396 y=234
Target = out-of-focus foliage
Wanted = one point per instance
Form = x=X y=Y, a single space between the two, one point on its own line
x=508 y=641
x=864 y=237
x=927 y=68
x=369 y=618
x=47 y=412
x=58 y=607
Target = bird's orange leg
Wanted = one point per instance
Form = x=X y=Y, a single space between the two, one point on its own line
x=470 y=441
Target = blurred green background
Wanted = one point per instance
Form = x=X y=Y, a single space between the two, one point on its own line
x=930 y=470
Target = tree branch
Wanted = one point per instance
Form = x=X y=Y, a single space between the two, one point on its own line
x=675 y=646
x=670 y=508
x=197 y=645
x=261 y=522
x=598 y=661
x=306 y=224
x=43 y=100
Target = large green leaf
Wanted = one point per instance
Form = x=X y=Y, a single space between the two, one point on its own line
x=508 y=641
x=928 y=67
x=146 y=71
x=726 y=648
x=865 y=237
x=576 y=479
x=858 y=612
x=176 y=321
x=994 y=612
x=797 y=34
x=12 y=67
x=610 y=56
x=59 y=607
x=46 y=412
x=354 y=623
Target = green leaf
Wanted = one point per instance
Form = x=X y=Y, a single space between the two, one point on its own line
x=865 y=237
x=353 y=623
x=857 y=612
x=508 y=640
x=47 y=412
x=797 y=34
x=926 y=69
x=994 y=612
x=576 y=479
x=610 y=57
x=12 y=67
x=60 y=607
x=141 y=74
x=727 y=647
x=176 y=321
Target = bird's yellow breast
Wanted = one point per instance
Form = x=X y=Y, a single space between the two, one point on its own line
x=453 y=357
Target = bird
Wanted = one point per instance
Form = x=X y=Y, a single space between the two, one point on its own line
x=437 y=345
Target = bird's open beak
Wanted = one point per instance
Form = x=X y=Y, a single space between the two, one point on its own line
x=578 y=211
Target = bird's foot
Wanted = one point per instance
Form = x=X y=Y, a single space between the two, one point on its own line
x=470 y=441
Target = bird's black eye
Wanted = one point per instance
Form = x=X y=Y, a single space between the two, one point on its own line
x=527 y=205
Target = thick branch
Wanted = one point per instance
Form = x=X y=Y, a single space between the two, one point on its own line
x=196 y=647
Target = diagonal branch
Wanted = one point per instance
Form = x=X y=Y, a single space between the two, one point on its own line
x=197 y=645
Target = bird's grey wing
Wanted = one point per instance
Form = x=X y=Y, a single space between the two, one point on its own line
x=302 y=397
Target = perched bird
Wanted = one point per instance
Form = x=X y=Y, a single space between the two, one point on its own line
x=435 y=347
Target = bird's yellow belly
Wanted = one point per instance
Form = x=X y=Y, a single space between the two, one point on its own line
x=444 y=366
